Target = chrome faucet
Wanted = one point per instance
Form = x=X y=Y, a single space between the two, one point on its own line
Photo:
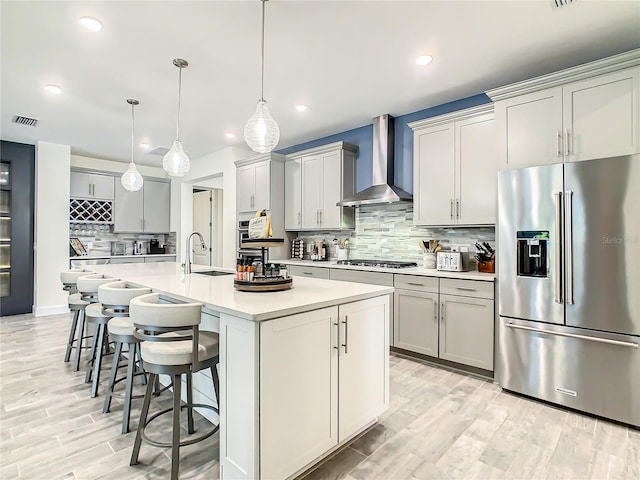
x=187 y=258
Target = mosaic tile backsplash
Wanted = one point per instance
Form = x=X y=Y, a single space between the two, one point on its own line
x=100 y=238
x=387 y=232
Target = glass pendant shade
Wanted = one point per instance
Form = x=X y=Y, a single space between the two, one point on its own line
x=131 y=180
x=175 y=162
x=261 y=131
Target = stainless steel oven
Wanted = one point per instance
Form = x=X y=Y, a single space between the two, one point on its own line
x=243 y=234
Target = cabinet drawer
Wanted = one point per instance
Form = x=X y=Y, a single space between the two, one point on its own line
x=416 y=282
x=466 y=288
x=315 y=272
x=358 y=276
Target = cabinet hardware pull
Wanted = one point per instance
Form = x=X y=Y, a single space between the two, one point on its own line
x=346 y=333
x=558 y=143
x=307 y=273
x=416 y=284
x=568 y=195
x=457 y=208
x=320 y=223
x=573 y=335
x=566 y=148
x=451 y=209
x=442 y=312
x=558 y=246
x=466 y=289
x=299 y=219
x=337 y=346
x=435 y=311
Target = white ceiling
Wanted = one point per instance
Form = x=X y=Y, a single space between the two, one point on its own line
x=348 y=60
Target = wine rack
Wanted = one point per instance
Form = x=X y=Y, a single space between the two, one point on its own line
x=90 y=211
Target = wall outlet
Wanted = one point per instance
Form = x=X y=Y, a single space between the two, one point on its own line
x=464 y=248
x=455 y=248
x=89 y=244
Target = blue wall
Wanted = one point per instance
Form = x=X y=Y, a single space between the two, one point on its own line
x=363 y=138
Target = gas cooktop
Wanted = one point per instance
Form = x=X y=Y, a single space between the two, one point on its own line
x=378 y=263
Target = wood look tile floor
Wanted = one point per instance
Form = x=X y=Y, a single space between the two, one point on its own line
x=441 y=425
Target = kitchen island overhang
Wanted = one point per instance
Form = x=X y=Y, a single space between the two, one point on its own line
x=302 y=371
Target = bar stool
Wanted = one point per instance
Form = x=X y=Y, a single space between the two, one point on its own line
x=173 y=345
x=115 y=298
x=99 y=346
x=69 y=280
x=87 y=286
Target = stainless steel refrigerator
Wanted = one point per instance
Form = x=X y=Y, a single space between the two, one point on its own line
x=569 y=285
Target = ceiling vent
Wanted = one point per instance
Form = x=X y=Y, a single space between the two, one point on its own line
x=160 y=151
x=555 y=4
x=20 y=120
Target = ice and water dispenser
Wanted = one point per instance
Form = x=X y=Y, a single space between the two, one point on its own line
x=533 y=253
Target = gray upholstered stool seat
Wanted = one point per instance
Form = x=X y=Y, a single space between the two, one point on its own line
x=174 y=345
x=115 y=298
x=76 y=305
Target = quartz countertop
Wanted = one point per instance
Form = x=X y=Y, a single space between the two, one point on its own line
x=426 y=272
x=101 y=257
x=217 y=292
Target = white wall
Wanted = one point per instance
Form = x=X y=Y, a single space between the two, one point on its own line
x=204 y=169
x=51 y=227
x=98 y=164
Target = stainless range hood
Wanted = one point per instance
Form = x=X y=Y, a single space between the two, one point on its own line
x=383 y=190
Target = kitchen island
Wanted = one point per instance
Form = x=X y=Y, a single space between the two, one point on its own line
x=302 y=371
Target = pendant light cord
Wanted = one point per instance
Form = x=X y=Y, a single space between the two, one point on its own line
x=179 y=95
x=262 y=55
x=133 y=126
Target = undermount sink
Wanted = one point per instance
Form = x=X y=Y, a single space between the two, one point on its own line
x=214 y=273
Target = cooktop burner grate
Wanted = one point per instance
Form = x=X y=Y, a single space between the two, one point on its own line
x=378 y=263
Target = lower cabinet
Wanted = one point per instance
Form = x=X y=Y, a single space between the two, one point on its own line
x=324 y=377
x=304 y=271
x=416 y=321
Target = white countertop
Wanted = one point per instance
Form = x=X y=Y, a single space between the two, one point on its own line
x=426 y=272
x=218 y=293
x=100 y=257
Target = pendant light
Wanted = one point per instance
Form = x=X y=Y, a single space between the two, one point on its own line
x=131 y=180
x=175 y=162
x=261 y=131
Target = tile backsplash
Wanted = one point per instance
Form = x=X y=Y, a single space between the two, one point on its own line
x=97 y=239
x=387 y=232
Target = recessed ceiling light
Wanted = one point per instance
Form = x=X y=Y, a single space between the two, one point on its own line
x=424 y=59
x=230 y=135
x=91 y=23
x=301 y=108
x=53 y=89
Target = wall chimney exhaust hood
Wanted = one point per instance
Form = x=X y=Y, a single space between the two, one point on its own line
x=383 y=190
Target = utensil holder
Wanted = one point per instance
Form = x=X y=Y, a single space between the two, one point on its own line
x=429 y=260
x=343 y=253
x=487 y=267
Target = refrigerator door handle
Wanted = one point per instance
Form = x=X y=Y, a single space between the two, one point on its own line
x=558 y=285
x=569 y=245
x=573 y=335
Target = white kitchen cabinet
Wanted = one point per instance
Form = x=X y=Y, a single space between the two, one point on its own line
x=467 y=323
x=253 y=186
x=324 y=377
x=416 y=315
x=315 y=181
x=91 y=185
x=455 y=167
x=582 y=113
x=144 y=211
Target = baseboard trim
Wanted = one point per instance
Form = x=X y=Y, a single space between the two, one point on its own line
x=53 y=310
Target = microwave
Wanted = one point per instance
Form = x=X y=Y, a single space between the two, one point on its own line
x=118 y=248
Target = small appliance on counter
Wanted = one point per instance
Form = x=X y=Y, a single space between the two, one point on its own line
x=140 y=248
x=118 y=248
x=452 y=261
x=155 y=248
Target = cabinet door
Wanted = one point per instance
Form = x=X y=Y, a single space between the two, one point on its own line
x=600 y=116
x=245 y=188
x=292 y=195
x=434 y=176
x=298 y=393
x=466 y=330
x=530 y=129
x=311 y=190
x=128 y=210
x=476 y=171
x=262 y=186
x=330 y=214
x=363 y=363
x=103 y=186
x=415 y=321
x=157 y=205
x=80 y=185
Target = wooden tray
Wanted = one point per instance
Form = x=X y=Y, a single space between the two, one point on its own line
x=262 y=242
x=276 y=285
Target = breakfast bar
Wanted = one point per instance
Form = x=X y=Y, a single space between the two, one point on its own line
x=302 y=371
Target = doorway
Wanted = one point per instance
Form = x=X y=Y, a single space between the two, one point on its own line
x=207 y=219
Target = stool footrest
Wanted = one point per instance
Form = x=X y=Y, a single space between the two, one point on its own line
x=183 y=443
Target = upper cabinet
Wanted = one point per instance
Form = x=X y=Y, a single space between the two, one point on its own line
x=253 y=185
x=455 y=163
x=92 y=186
x=144 y=211
x=315 y=180
x=587 y=112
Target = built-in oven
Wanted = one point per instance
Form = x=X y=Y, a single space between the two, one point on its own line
x=243 y=234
